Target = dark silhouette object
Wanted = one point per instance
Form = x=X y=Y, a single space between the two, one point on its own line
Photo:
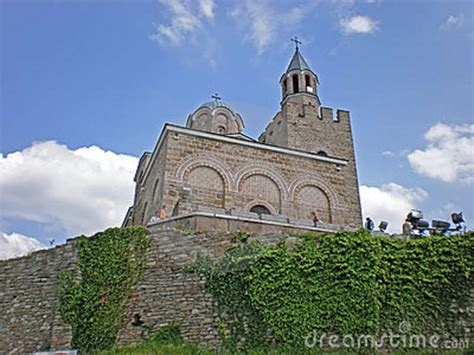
x=369 y=224
x=383 y=226
x=137 y=322
x=259 y=209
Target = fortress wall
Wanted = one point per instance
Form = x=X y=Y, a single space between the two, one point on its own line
x=169 y=294
x=29 y=300
x=29 y=316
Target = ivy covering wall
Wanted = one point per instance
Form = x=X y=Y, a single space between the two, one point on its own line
x=347 y=283
x=94 y=300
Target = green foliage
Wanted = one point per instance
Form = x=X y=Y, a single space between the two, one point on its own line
x=345 y=283
x=94 y=302
x=168 y=340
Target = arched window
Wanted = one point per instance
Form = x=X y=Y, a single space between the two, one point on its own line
x=259 y=209
x=155 y=188
x=221 y=130
x=322 y=153
x=284 y=87
x=145 y=209
x=309 y=87
x=296 y=83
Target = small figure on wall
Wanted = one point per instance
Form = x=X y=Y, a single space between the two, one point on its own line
x=163 y=212
x=315 y=218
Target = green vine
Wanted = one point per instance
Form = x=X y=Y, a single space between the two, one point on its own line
x=94 y=302
x=345 y=283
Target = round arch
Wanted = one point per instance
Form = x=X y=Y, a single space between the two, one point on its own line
x=185 y=168
x=259 y=202
x=245 y=172
x=300 y=183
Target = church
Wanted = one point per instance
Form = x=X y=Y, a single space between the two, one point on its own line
x=302 y=163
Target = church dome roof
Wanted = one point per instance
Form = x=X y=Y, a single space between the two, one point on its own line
x=214 y=104
x=209 y=117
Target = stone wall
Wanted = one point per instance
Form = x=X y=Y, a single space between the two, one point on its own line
x=29 y=318
x=197 y=171
x=167 y=294
x=29 y=315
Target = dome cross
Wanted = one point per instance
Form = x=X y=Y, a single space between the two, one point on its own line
x=297 y=42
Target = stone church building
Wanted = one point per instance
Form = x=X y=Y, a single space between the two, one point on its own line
x=303 y=162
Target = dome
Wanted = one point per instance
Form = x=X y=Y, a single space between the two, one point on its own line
x=210 y=117
x=214 y=104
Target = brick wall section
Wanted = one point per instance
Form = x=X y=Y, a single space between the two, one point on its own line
x=149 y=189
x=304 y=125
x=29 y=318
x=167 y=294
x=250 y=176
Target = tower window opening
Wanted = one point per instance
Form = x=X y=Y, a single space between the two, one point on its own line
x=307 y=80
x=296 y=84
x=284 y=87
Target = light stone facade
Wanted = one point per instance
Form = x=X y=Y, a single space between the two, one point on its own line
x=303 y=162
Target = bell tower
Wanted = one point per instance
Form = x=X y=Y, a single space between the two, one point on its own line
x=303 y=123
x=299 y=79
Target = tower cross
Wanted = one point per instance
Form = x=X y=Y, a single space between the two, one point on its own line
x=295 y=39
x=216 y=97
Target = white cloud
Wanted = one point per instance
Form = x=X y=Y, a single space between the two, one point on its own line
x=207 y=8
x=184 y=19
x=264 y=22
x=80 y=191
x=388 y=153
x=358 y=24
x=453 y=22
x=15 y=245
x=449 y=156
x=390 y=202
x=258 y=19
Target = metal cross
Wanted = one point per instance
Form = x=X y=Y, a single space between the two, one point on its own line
x=216 y=97
x=296 y=41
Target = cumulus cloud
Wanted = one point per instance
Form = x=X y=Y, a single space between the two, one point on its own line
x=79 y=191
x=390 y=202
x=358 y=25
x=14 y=245
x=449 y=156
x=185 y=18
x=452 y=22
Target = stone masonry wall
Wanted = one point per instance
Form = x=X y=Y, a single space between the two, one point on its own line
x=29 y=317
x=253 y=176
x=168 y=294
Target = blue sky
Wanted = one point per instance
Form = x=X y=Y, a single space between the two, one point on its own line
x=111 y=73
